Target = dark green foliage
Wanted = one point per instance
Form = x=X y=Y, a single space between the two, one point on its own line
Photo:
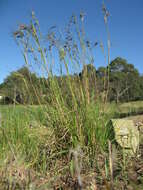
x=22 y=87
x=124 y=81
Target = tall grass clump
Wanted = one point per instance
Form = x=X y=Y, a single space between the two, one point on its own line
x=67 y=93
x=59 y=57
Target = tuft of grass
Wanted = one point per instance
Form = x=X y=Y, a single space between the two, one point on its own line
x=69 y=115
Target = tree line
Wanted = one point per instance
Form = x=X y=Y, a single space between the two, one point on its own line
x=120 y=80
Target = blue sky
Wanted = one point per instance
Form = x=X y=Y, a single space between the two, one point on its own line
x=126 y=27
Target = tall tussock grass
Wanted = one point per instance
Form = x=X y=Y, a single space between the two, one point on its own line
x=59 y=57
x=69 y=118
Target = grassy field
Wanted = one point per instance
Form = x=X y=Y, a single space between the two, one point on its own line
x=35 y=155
x=35 y=150
x=130 y=107
x=125 y=109
x=24 y=142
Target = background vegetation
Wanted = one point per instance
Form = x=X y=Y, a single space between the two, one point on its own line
x=126 y=84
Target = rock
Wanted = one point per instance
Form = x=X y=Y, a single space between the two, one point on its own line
x=126 y=134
